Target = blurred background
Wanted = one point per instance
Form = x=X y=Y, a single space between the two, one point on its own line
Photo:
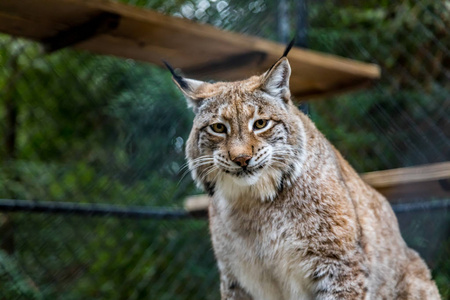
x=82 y=128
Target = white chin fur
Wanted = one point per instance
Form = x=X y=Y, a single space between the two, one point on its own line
x=244 y=181
x=262 y=186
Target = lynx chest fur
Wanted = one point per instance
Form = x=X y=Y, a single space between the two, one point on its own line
x=289 y=218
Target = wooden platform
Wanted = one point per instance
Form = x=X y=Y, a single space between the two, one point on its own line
x=424 y=181
x=201 y=51
x=397 y=185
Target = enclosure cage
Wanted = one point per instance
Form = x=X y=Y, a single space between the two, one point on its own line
x=93 y=179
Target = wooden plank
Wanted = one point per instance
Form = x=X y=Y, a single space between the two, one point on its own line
x=424 y=181
x=397 y=185
x=150 y=36
x=393 y=177
x=197 y=205
x=66 y=38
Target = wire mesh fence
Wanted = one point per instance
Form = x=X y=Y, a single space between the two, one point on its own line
x=73 y=257
x=83 y=128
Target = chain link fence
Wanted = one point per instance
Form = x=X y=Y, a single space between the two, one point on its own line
x=86 y=129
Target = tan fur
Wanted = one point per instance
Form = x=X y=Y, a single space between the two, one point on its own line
x=301 y=223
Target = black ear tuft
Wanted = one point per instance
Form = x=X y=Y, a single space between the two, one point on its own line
x=285 y=53
x=176 y=77
x=289 y=47
x=189 y=87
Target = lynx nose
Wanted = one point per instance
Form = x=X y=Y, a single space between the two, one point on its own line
x=242 y=160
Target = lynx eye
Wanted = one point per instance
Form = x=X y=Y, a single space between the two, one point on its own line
x=219 y=128
x=260 y=124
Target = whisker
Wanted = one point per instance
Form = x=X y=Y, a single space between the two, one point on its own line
x=196 y=161
x=281 y=163
x=210 y=171
x=187 y=171
x=182 y=177
x=215 y=177
x=207 y=171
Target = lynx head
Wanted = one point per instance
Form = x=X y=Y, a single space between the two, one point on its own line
x=247 y=140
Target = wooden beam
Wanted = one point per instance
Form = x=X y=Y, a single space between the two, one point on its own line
x=200 y=50
x=227 y=64
x=393 y=177
x=424 y=181
x=397 y=185
x=197 y=205
x=98 y=25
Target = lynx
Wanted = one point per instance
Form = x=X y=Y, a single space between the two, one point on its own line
x=289 y=217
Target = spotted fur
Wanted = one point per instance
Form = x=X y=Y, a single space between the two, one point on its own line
x=296 y=222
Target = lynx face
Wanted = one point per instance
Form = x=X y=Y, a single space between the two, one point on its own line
x=244 y=141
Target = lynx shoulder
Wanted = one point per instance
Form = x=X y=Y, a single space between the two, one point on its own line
x=289 y=217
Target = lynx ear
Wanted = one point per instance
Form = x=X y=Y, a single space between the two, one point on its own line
x=189 y=88
x=275 y=81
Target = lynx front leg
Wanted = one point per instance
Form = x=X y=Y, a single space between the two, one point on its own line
x=231 y=290
x=343 y=280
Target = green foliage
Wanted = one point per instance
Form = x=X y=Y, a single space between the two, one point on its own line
x=106 y=130
x=105 y=258
x=441 y=272
x=99 y=130
x=399 y=122
x=13 y=283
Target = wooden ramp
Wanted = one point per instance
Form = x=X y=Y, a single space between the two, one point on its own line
x=201 y=51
